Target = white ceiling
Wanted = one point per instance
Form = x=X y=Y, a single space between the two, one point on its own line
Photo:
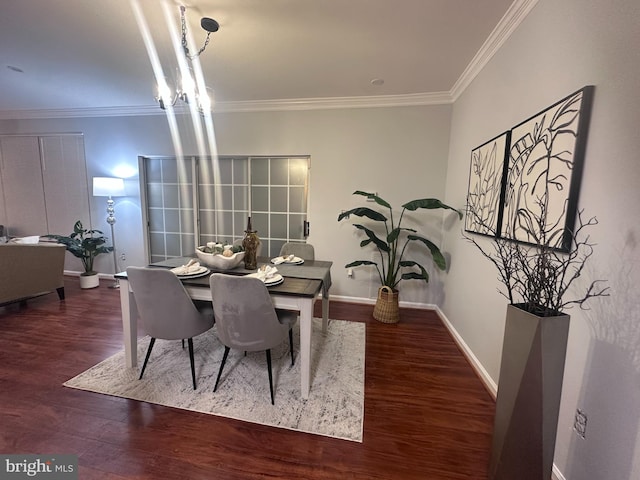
x=87 y=54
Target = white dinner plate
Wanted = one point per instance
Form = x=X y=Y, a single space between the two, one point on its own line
x=277 y=279
x=200 y=272
x=295 y=261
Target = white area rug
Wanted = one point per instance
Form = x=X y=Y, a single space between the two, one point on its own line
x=335 y=406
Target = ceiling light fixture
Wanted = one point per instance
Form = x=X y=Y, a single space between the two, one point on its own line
x=189 y=88
x=207 y=24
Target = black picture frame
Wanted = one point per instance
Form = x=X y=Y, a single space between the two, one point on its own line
x=486 y=186
x=544 y=171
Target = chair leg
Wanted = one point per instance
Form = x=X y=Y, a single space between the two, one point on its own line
x=193 y=368
x=183 y=343
x=224 y=359
x=270 y=375
x=291 y=344
x=146 y=359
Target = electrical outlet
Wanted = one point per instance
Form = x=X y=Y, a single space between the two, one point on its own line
x=123 y=257
x=580 y=423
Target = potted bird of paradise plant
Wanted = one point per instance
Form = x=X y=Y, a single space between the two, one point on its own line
x=392 y=243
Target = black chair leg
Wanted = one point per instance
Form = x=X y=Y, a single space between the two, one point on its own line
x=183 y=343
x=224 y=359
x=291 y=344
x=270 y=375
x=146 y=359
x=193 y=368
x=60 y=291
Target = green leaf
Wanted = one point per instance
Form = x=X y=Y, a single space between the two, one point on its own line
x=363 y=212
x=413 y=275
x=429 y=203
x=438 y=258
x=373 y=237
x=416 y=276
x=374 y=197
x=393 y=235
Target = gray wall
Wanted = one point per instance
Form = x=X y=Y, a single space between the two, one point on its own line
x=399 y=152
x=561 y=46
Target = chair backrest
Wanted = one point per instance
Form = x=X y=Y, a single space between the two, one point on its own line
x=245 y=316
x=164 y=305
x=302 y=250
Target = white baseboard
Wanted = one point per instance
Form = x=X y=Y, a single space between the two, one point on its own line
x=556 y=474
x=482 y=373
x=361 y=300
x=372 y=301
x=73 y=273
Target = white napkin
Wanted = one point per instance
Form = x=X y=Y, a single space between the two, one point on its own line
x=285 y=258
x=266 y=272
x=192 y=267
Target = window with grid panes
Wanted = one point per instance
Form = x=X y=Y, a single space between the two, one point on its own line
x=216 y=206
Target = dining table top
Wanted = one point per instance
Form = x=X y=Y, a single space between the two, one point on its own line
x=299 y=280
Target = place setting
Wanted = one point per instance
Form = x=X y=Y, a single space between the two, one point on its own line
x=269 y=275
x=193 y=269
x=288 y=260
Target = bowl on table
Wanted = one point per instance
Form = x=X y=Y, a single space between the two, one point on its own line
x=217 y=261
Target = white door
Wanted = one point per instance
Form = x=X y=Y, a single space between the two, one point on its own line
x=22 y=186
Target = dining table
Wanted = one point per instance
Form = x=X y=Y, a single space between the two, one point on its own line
x=302 y=285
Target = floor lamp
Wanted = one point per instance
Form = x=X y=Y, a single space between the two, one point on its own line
x=110 y=187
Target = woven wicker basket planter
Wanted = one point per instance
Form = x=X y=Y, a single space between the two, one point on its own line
x=387 y=309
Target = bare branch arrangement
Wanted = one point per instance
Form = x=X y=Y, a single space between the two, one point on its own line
x=538 y=278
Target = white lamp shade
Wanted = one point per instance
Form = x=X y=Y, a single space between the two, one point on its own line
x=108 y=187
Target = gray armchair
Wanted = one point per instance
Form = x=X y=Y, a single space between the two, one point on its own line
x=167 y=310
x=302 y=250
x=246 y=319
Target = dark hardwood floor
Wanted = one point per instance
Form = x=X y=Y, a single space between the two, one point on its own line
x=427 y=415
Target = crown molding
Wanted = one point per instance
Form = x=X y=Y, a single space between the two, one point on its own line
x=514 y=16
x=437 y=98
x=507 y=25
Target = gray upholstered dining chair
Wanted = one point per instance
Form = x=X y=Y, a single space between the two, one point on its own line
x=302 y=250
x=167 y=310
x=246 y=319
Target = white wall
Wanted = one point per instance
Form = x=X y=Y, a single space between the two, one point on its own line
x=399 y=152
x=561 y=46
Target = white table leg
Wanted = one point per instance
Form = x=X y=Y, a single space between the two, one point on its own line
x=306 y=318
x=129 y=324
x=325 y=312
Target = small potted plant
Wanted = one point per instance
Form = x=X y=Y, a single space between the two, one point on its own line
x=392 y=246
x=85 y=245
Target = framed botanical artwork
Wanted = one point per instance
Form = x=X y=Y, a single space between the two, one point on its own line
x=544 y=171
x=486 y=185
